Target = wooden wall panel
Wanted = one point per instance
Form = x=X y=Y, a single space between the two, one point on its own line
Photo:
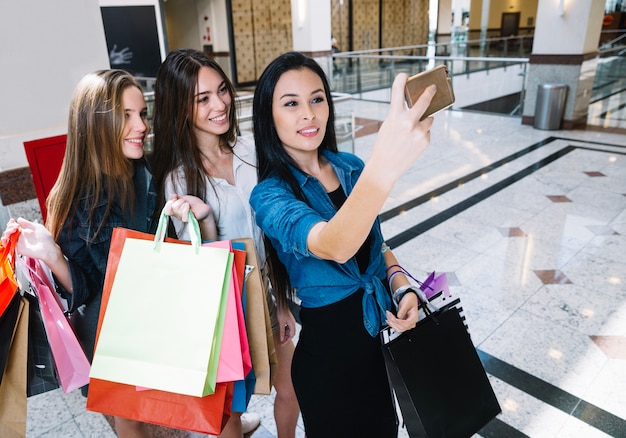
x=262 y=31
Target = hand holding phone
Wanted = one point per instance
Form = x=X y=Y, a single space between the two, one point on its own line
x=444 y=97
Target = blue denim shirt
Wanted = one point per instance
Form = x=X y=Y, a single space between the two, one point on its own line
x=288 y=221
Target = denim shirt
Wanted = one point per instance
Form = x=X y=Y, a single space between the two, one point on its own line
x=288 y=221
x=87 y=257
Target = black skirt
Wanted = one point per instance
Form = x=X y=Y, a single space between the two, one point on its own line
x=339 y=375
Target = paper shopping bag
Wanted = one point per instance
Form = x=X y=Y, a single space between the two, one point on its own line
x=434 y=292
x=158 y=327
x=13 y=385
x=239 y=274
x=8 y=282
x=8 y=322
x=437 y=378
x=41 y=372
x=231 y=364
x=206 y=415
x=260 y=336
x=434 y=284
x=70 y=361
x=243 y=388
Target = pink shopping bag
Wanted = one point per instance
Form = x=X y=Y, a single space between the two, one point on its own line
x=234 y=360
x=70 y=360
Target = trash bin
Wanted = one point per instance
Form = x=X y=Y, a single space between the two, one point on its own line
x=550 y=106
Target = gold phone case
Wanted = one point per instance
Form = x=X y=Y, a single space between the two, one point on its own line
x=416 y=85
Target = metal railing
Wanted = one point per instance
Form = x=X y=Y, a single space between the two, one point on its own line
x=368 y=74
x=344 y=118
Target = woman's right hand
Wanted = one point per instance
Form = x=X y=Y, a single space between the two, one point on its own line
x=11 y=228
x=35 y=240
x=180 y=205
x=402 y=137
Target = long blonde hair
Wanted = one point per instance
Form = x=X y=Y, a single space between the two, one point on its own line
x=94 y=162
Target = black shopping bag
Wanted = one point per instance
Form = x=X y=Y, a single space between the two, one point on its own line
x=438 y=380
x=40 y=369
x=8 y=322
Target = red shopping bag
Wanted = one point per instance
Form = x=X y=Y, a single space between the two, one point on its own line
x=206 y=414
x=8 y=283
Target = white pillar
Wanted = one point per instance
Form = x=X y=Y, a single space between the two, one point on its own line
x=565 y=51
x=311 y=29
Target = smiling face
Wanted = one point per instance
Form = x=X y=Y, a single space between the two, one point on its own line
x=300 y=111
x=212 y=103
x=136 y=125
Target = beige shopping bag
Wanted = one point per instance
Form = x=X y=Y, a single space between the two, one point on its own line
x=13 y=386
x=258 y=324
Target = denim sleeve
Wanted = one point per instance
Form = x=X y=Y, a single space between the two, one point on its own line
x=86 y=259
x=283 y=218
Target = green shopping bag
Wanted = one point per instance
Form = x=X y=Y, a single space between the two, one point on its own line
x=162 y=325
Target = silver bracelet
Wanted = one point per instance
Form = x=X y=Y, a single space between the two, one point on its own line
x=399 y=293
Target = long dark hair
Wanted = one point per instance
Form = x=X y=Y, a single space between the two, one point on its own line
x=174 y=101
x=272 y=159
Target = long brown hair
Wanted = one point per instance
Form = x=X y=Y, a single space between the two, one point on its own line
x=175 y=143
x=94 y=162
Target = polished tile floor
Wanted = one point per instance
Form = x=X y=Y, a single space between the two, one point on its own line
x=530 y=226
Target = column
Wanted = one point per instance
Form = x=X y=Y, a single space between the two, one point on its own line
x=565 y=52
x=311 y=29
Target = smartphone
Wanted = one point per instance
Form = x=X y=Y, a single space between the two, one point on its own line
x=416 y=85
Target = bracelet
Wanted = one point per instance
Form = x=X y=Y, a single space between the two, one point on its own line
x=399 y=293
x=395 y=266
x=385 y=248
x=393 y=274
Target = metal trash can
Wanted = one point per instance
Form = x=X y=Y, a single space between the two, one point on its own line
x=550 y=106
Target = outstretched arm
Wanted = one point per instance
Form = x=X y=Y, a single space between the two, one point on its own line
x=401 y=140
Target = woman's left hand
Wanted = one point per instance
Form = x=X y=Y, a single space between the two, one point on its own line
x=180 y=205
x=286 y=324
x=407 y=314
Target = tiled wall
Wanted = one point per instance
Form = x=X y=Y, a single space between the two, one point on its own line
x=404 y=23
x=262 y=30
x=340 y=14
x=365 y=25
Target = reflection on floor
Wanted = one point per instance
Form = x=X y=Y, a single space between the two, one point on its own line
x=530 y=226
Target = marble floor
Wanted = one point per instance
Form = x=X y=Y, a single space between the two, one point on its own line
x=530 y=227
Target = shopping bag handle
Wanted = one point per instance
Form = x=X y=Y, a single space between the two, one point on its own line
x=162 y=231
x=8 y=251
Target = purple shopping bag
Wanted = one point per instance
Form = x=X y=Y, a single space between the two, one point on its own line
x=434 y=284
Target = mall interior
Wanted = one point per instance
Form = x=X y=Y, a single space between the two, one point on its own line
x=520 y=198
